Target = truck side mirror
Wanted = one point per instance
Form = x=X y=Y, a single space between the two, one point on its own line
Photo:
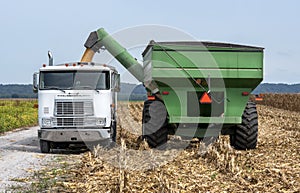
x=35 y=82
x=117 y=83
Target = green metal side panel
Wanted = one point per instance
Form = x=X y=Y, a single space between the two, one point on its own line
x=207 y=59
x=228 y=120
x=204 y=73
x=176 y=104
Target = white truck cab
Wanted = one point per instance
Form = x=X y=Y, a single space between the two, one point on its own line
x=77 y=104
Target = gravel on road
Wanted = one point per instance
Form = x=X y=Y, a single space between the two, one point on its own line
x=19 y=157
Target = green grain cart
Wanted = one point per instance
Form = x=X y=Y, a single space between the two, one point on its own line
x=196 y=89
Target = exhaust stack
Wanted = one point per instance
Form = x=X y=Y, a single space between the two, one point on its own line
x=50 y=56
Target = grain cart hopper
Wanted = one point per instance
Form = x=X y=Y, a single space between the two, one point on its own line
x=197 y=89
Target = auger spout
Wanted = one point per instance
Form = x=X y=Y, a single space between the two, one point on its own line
x=101 y=39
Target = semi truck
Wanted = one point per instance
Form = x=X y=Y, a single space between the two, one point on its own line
x=195 y=89
x=77 y=103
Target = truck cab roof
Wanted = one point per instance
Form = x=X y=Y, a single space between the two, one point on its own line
x=79 y=66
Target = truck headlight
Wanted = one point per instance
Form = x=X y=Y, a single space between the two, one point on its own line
x=46 y=122
x=100 y=121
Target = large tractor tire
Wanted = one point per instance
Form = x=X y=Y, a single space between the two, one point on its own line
x=154 y=121
x=246 y=133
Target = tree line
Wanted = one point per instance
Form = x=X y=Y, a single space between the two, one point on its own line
x=128 y=91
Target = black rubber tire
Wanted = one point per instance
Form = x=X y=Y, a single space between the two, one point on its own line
x=246 y=133
x=44 y=146
x=114 y=131
x=154 y=120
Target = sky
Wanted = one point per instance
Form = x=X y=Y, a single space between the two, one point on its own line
x=30 y=28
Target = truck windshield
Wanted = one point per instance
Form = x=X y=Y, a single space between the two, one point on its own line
x=74 y=80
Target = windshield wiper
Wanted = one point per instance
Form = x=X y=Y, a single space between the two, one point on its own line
x=55 y=88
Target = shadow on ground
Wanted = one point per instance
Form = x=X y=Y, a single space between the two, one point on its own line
x=31 y=144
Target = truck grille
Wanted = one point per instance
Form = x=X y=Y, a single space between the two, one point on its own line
x=74 y=122
x=74 y=108
x=70 y=122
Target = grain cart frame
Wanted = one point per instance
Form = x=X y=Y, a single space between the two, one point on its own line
x=77 y=104
x=197 y=89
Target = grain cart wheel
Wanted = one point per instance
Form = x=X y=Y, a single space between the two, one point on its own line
x=246 y=133
x=45 y=146
x=154 y=121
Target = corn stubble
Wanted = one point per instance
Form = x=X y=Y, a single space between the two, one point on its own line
x=282 y=101
x=272 y=167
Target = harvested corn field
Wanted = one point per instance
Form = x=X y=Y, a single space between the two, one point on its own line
x=283 y=101
x=133 y=167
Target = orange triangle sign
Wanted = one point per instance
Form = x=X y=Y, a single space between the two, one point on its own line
x=205 y=98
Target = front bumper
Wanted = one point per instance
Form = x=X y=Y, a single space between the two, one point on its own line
x=73 y=135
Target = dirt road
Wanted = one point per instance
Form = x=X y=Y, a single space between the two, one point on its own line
x=19 y=157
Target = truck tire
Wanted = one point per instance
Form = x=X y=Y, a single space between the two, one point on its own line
x=45 y=146
x=114 y=131
x=154 y=122
x=245 y=136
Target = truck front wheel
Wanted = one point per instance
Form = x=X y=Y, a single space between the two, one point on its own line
x=245 y=136
x=154 y=122
x=114 y=131
x=45 y=146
